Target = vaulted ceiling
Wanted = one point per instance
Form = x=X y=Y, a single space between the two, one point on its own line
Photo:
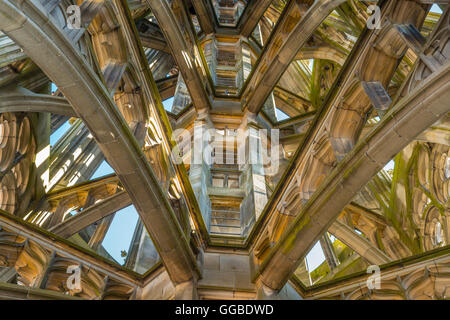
x=357 y=92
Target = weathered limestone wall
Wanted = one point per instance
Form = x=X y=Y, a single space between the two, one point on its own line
x=226 y=271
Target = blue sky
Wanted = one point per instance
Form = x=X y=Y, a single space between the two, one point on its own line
x=55 y=136
x=102 y=170
x=120 y=232
x=281 y=115
x=315 y=257
x=389 y=166
x=168 y=104
x=435 y=8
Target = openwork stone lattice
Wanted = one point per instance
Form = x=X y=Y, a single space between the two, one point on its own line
x=293 y=123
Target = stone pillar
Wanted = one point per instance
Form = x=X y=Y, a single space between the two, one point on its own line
x=269 y=108
x=74 y=158
x=246 y=64
x=186 y=291
x=199 y=173
x=41 y=128
x=9 y=51
x=328 y=251
x=100 y=232
x=302 y=273
x=254 y=181
x=58 y=216
x=7 y=274
x=181 y=97
x=287 y=293
x=142 y=253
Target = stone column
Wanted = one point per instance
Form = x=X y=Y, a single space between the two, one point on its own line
x=74 y=158
x=250 y=160
x=186 y=291
x=142 y=254
x=181 y=97
x=287 y=293
x=199 y=173
x=328 y=251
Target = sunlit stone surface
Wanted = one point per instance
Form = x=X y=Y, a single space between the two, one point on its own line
x=224 y=149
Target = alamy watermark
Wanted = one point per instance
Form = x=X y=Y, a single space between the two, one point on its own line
x=374 y=281
x=73 y=17
x=73 y=282
x=374 y=21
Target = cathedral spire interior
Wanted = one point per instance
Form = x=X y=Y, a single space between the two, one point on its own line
x=224 y=149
